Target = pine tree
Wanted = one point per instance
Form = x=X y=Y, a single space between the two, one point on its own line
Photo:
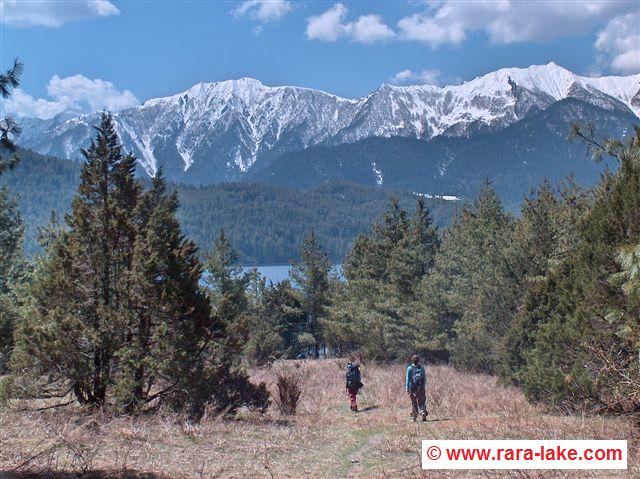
x=265 y=342
x=470 y=272
x=277 y=321
x=11 y=228
x=544 y=237
x=11 y=266
x=378 y=311
x=226 y=285
x=579 y=358
x=9 y=129
x=311 y=275
x=80 y=295
x=115 y=308
x=411 y=256
x=284 y=304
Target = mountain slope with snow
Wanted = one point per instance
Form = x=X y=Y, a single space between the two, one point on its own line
x=515 y=159
x=219 y=131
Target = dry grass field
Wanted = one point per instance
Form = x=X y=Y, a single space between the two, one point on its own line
x=323 y=440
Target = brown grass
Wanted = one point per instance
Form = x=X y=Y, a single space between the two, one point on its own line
x=323 y=440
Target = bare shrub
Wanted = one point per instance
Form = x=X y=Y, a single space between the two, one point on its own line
x=289 y=384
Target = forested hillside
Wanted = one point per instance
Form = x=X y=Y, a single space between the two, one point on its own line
x=516 y=159
x=264 y=222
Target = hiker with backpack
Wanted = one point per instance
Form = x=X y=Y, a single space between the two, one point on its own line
x=416 y=382
x=353 y=384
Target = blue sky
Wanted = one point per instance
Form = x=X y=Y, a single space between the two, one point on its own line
x=99 y=54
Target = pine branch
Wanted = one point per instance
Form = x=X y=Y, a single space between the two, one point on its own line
x=11 y=78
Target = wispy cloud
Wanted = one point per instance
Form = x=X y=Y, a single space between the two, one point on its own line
x=408 y=77
x=430 y=76
x=332 y=25
x=74 y=91
x=52 y=13
x=263 y=11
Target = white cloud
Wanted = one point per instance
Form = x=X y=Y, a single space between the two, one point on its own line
x=430 y=76
x=331 y=26
x=74 y=91
x=52 y=13
x=263 y=11
x=619 y=42
x=404 y=77
x=370 y=29
x=506 y=21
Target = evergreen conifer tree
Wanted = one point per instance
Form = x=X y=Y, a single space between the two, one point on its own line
x=579 y=357
x=11 y=228
x=11 y=266
x=115 y=309
x=227 y=284
x=377 y=310
x=311 y=275
x=470 y=271
x=9 y=129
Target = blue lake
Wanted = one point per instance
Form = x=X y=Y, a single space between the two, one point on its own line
x=276 y=274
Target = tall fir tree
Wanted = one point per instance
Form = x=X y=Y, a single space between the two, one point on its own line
x=470 y=274
x=277 y=322
x=11 y=227
x=544 y=236
x=311 y=276
x=580 y=357
x=377 y=310
x=226 y=284
x=80 y=304
x=11 y=271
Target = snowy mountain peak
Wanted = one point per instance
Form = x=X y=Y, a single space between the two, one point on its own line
x=551 y=79
x=218 y=131
x=245 y=88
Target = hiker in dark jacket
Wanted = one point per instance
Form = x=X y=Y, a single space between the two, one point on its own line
x=353 y=383
x=415 y=384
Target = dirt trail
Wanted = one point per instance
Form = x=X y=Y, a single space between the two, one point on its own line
x=364 y=454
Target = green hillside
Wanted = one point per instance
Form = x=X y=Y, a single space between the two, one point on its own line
x=266 y=223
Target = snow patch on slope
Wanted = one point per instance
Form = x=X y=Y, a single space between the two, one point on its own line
x=378 y=173
x=439 y=197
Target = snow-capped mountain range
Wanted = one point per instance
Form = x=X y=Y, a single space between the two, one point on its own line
x=219 y=131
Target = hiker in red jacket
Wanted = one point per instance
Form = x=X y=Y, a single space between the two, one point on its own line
x=353 y=384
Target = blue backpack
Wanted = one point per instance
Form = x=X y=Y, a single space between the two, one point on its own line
x=417 y=378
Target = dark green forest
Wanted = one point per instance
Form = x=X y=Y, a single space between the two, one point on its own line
x=264 y=222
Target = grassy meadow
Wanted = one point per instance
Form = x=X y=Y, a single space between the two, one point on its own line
x=323 y=440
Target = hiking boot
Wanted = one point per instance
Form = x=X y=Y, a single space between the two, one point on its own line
x=424 y=415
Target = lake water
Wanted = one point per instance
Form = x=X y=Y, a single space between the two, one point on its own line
x=276 y=274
